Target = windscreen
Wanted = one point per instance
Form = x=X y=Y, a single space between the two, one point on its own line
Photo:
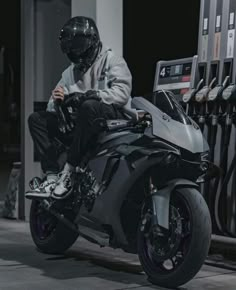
x=167 y=103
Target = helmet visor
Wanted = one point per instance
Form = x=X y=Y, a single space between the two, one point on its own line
x=78 y=44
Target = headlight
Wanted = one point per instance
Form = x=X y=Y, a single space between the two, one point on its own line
x=170 y=158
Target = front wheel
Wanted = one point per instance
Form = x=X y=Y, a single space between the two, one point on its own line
x=173 y=257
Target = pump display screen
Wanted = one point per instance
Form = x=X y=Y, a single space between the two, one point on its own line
x=175 y=76
x=175 y=73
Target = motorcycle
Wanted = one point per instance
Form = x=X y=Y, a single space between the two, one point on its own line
x=139 y=191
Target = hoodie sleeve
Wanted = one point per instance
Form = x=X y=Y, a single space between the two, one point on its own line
x=119 y=82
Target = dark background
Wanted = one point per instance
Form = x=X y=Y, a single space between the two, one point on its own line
x=158 y=30
x=153 y=30
x=10 y=83
x=10 y=39
x=9 y=94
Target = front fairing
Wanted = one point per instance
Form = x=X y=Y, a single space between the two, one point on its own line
x=185 y=135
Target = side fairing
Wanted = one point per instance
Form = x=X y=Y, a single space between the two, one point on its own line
x=106 y=209
x=107 y=206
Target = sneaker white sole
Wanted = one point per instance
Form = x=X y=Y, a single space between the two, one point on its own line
x=33 y=195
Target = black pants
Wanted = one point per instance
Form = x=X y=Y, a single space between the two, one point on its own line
x=44 y=129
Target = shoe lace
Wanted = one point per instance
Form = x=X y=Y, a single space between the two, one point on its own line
x=45 y=183
x=65 y=179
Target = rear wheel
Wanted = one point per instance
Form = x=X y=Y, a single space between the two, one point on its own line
x=172 y=257
x=49 y=234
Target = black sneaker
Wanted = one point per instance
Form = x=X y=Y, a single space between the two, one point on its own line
x=44 y=190
x=64 y=185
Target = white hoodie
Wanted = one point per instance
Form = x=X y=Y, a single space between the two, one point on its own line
x=109 y=75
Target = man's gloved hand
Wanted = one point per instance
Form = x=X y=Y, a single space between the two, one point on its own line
x=92 y=95
x=75 y=100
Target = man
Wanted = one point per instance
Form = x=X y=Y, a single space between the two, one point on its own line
x=100 y=85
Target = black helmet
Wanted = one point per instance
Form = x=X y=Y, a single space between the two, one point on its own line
x=79 y=39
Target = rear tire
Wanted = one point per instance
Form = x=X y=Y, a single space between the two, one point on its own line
x=195 y=246
x=50 y=235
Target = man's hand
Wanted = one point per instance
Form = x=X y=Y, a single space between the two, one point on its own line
x=76 y=99
x=58 y=94
x=92 y=95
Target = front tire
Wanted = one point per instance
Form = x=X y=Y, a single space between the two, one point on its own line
x=175 y=258
x=50 y=235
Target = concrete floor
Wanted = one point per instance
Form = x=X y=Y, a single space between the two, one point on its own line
x=85 y=266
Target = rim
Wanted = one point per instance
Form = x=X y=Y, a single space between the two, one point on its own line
x=165 y=250
x=43 y=222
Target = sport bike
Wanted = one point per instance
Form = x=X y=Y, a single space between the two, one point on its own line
x=138 y=190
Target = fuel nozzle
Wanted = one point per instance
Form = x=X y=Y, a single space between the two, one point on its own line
x=202 y=95
x=190 y=94
x=229 y=96
x=229 y=93
x=217 y=91
x=201 y=98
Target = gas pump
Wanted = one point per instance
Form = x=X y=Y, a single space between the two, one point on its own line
x=216 y=119
x=201 y=98
x=225 y=201
x=222 y=216
x=178 y=76
x=218 y=77
x=206 y=70
x=223 y=97
x=189 y=99
x=211 y=102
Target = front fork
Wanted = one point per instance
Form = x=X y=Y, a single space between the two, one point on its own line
x=161 y=199
x=153 y=193
x=160 y=206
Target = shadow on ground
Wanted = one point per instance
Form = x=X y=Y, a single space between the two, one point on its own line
x=77 y=263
